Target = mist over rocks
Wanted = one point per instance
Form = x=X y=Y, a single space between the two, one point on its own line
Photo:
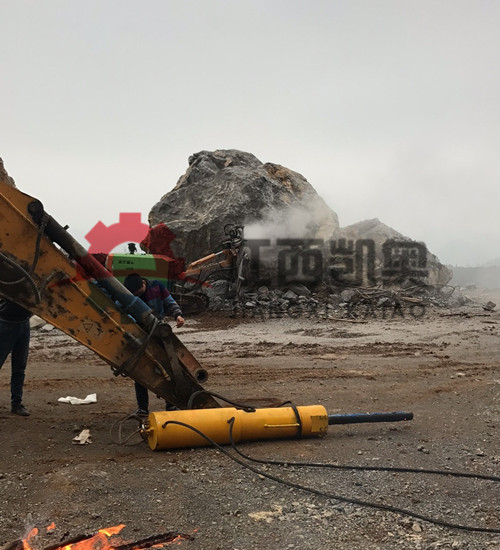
x=274 y=202
x=231 y=186
x=394 y=247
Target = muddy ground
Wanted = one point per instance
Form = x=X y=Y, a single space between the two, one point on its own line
x=444 y=367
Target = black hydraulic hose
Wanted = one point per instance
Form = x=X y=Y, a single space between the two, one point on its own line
x=312 y=490
x=25 y=277
x=92 y=268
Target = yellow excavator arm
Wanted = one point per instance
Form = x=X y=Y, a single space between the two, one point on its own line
x=45 y=270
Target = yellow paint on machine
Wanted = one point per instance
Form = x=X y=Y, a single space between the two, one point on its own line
x=163 y=432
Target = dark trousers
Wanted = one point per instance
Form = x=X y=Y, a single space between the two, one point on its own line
x=15 y=339
x=142 y=396
x=141 y=393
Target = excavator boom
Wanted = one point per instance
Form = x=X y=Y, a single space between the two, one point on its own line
x=45 y=270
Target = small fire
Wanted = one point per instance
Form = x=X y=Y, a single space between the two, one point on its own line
x=100 y=541
x=33 y=533
x=106 y=539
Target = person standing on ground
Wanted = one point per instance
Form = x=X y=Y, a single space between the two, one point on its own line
x=161 y=302
x=15 y=339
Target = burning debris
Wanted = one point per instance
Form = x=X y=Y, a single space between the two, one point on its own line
x=104 y=539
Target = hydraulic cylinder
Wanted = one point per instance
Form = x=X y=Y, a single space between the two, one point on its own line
x=164 y=430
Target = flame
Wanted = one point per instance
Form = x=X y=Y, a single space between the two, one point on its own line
x=97 y=542
x=100 y=541
x=33 y=533
x=110 y=531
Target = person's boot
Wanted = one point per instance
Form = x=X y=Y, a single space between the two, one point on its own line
x=19 y=410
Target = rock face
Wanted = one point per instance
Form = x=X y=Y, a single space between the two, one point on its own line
x=230 y=186
x=4 y=177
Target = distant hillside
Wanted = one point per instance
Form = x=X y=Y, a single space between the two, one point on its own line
x=492 y=263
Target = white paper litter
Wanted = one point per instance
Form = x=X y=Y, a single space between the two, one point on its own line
x=91 y=398
x=82 y=438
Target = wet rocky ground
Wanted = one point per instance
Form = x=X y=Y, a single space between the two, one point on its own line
x=443 y=366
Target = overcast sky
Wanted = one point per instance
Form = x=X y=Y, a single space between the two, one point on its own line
x=390 y=109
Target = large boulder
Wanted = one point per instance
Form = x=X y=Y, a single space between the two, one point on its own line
x=293 y=235
x=230 y=186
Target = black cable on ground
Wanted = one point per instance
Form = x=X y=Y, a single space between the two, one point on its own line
x=340 y=498
x=120 y=423
x=221 y=397
x=450 y=473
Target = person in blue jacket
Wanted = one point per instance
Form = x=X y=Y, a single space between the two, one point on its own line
x=161 y=302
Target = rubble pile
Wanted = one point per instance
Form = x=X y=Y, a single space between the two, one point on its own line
x=328 y=302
